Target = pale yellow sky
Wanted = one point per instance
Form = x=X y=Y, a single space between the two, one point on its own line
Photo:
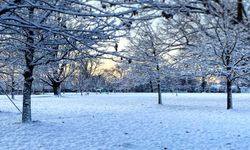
x=107 y=64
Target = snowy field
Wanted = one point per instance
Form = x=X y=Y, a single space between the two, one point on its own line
x=128 y=122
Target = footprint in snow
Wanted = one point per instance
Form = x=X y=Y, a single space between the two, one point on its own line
x=127 y=145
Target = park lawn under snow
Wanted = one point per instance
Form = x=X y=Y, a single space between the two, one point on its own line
x=121 y=121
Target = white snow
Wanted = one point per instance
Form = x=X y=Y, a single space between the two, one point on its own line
x=133 y=121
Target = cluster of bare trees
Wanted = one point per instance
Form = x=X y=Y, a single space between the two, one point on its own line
x=56 y=40
x=37 y=33
x=198 y=38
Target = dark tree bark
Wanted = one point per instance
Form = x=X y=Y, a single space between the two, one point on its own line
x=159 y=85
x=13 y=83
x=240 y=10
x=27 y=89
x=229 y=94
x=56 y=88
x=28 y=74
x=229 y=81
x=159 y=92
x=203 y=84
x=151 y=86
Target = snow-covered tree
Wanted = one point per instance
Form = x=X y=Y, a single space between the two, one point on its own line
x=87 y=69
x=36 y=27
x=223 y=43
x=151 y=51
x=56 y=74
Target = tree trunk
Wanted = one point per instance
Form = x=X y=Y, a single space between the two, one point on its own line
x=151 y=86
x=159 y=84
x=12 y=91
x=229 y=80
x=240 y=10
x=81 y=91
x=28 y=73
x=56 y=88
x=43 y=90
x=13 y=83
x=229 y=94
x=159 y=92
x=203 y=84
x=27 y=89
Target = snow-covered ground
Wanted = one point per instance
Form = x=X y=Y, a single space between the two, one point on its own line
x=128 y=121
